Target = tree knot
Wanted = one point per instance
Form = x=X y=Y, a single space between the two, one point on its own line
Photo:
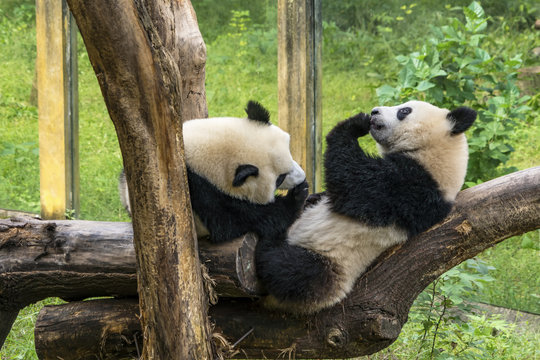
x=464 y=228
x=336 y=338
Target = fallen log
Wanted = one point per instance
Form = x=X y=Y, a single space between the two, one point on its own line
x=116 y=334
x=75 y=259
x=372 y=316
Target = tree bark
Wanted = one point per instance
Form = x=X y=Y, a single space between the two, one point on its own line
x=7 y=318
x=141 y=83
x=372 y=316
x=114 y=335
x=75 y=259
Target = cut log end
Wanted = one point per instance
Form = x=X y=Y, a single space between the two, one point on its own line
x=245 y=266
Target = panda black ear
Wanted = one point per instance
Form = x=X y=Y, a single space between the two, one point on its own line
x=243 y=172
x=462 y=118
x=257 y=112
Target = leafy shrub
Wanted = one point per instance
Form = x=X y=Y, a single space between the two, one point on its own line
x=455 y=68
x=438 y=314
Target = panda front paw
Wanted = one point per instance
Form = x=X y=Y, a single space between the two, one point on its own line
x=298 y=194
x=314 y=199
x=355 y=126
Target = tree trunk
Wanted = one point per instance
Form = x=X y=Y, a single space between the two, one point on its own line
x=372 y=316
x=142 y=86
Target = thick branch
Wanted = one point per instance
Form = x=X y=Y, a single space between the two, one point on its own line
x=141 y=85
x=80 y=259
x=371 y=318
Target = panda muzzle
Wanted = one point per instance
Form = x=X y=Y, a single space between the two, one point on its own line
x=376 y=124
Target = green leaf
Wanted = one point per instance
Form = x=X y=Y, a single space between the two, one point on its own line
x=402 y=59
x=437 y=94
x=424 y=85
x=475 y=9
x=527 y=242
x=482 y=54
x=387 y=93
x=438 y=72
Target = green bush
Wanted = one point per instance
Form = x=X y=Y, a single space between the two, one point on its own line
x=437 y=314
x=455 y=68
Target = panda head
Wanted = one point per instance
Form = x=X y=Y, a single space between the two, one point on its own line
x=417 y=124
x=247 y=158
x=433 y=136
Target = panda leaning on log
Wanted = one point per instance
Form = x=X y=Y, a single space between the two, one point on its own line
x=370 y=204
x=234 y=167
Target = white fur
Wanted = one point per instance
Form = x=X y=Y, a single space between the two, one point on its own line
x=425 y=135
x=123 y=190
x=215 y=147
x=295 y=177
x=347 y=242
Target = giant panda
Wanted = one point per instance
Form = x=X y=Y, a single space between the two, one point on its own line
x=370 y=204
x=234 y=167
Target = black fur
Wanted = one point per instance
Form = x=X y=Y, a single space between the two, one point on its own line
x=243 y=172
x=462 y=117
x=227 y=217
x=257 y=112
x=293 y=273
x=313 y=199
x=403 y=112
x=378 y=191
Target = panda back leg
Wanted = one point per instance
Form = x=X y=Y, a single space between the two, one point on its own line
x=293 y=274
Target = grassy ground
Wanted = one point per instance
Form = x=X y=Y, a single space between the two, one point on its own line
x=242 y=65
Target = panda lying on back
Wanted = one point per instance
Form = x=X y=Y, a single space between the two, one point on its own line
x=370 y=204
x=234 y=167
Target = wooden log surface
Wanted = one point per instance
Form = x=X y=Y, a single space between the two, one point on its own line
x=372 y=316
x=75 y=259
x=116 y=334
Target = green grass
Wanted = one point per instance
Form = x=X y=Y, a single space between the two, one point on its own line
x=241 y=66
x=100 y=157
x=19 y=170
x=20 y=342
x=517 y=265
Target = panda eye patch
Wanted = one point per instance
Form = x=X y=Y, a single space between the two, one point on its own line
x=280 y=179
x=403 y=112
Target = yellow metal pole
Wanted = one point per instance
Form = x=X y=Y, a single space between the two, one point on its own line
x=57 y=108
x=299 y=82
